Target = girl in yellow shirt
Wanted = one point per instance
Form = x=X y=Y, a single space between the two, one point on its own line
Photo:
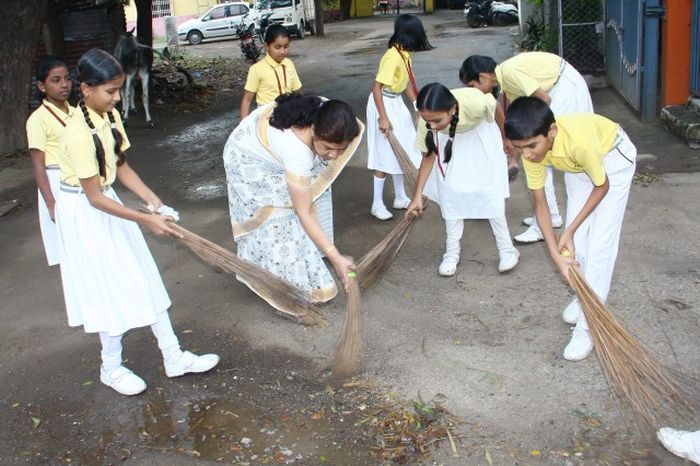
x=110 y=281
x=272 y=76
x=463 y=168
x=386 y=110
x=44 y=130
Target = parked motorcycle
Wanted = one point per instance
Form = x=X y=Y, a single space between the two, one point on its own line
x=490 y=12
x=251 y=45
x=262 y=23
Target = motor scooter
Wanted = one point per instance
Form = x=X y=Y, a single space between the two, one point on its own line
x=489 y=12
x=250 y=43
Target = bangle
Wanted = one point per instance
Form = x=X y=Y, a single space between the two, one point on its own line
x=328 y=248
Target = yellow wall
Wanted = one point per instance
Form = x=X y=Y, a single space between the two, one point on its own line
x=358 y=8
x=178 y=8
x=429 y=6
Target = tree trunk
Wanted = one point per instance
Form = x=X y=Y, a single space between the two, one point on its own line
x=144 y=22
x=318 y=9
x=20 y=31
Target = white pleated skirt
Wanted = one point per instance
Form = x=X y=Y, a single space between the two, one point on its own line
x=110 y=280
x=380 y=157
x=49 y=234
x=570 y=94
x=475 y=184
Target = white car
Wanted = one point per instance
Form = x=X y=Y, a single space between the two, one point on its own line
x=218 y=22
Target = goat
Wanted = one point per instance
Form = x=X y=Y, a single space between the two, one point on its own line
x=134 y=58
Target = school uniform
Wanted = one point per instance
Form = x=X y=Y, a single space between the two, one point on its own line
x=588 y=148
x=45 y=126
x=394 y=75
x=474 y=183
x=521 y=76
x=269 y=79
x=110 y=281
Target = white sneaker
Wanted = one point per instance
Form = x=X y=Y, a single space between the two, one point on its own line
x=190 y=363
x=508 y=260
x=580 y=345
x=401 y=204
x=123 y=381
x=571 y=312
x=531 y=235
x=556 y=221
x=448 y=266
x=381 y=212
x=681 y=443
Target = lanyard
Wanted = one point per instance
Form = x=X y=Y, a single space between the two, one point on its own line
x=284 y=73
x=411 y=78
x=436 y=138
x=63 y=123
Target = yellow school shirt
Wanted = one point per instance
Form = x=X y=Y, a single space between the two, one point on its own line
x=582 y=142
x=78 y=159
x=44 y=130
x=267 y=77
x=392 y=72
x=474 y=107
x=524 y=73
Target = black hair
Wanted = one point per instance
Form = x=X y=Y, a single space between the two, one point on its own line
x=97 y=67
x=274 y=31
x=435 y=97
x=473 y=66
x=409 y=34
x=45 y=64
x=333 y=120
x=528 y=117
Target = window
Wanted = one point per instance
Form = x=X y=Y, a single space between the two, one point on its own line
x=160 y=8
x=237 y=10
x=217 y=13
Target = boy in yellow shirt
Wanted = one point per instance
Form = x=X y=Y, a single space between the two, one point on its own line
x=599 y=162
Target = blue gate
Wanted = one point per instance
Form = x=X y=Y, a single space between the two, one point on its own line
x=622 y=48
x=695 y=50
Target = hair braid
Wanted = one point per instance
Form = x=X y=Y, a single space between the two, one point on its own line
x=429 y=141
x=99 y=149
x=453 y=128
x=117 y=139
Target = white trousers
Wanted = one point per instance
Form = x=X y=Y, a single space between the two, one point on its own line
x=162 y=330
x=597 y=239
x=454 y=229
x=550 y=196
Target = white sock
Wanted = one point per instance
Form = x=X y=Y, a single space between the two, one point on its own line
x=399 y=190
x=453 y=236
x=167 y=340
x=378 y=198
x=111 y=351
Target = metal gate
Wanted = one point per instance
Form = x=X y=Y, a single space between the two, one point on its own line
x=623 y=48
x=695 y=50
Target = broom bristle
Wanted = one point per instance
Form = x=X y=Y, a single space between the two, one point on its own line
x=410 y=172
x=287 y=299
x=345 y=359
x=653 y=392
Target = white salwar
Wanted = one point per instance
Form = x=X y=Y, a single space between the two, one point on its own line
x=49 y=233
x=266 y=229
x=475 y=185
x=380 y=156
x=598 y=237
x=110 y=281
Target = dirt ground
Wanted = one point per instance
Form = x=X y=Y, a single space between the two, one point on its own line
x=485 y=346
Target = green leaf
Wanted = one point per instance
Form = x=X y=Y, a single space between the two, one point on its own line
x=489 y=459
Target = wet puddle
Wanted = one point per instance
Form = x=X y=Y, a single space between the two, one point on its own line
x=227 y=430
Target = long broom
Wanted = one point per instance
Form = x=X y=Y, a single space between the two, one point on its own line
x=346 y=355
x=651 y=390
x=289 y=301
x=378 y=259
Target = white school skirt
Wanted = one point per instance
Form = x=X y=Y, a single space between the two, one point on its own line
x=380 y=157
x=475 y=185
x=570 y=93
x=110 y=280
x=49 y=234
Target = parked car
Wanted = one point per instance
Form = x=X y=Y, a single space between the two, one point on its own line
x=220 y=21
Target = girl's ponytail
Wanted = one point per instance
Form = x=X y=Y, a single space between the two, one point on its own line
x=99 y=150
x=118 y=139
x=435 y=97
x=453 y=128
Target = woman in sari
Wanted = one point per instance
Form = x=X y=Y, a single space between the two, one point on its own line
x=280 y=163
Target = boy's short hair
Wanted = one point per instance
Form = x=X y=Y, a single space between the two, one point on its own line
x=528 y=117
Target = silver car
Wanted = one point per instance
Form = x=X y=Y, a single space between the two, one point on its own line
x=218 y=22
